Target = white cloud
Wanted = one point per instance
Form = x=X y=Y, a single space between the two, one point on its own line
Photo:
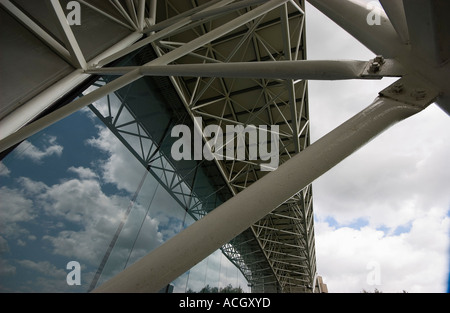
x=45 y=277
x=14 y=209
x=6 y=269
x=21 y=243
x=398 y=181
x=76 y=200
x=393 y=179
x=43 y=267
x=4 y=171
x=79 y=202
x=83 y=202
x=36 y=154
x=412 y=261
x=31 y=187
x=83 y=172
x=3 y=245
x=121 y=168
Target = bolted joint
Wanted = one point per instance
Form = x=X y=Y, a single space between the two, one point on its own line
x=411 y=92
x=376 y=64
x=380 y=67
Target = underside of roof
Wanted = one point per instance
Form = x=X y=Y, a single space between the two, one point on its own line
x=41 y=56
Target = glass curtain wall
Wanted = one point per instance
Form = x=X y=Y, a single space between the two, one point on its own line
x=101 y=179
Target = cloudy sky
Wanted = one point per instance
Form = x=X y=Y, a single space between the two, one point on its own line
x=64 y=192
x=382 y=215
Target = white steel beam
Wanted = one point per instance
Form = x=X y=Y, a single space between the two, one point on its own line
x=290 y=83
x=303 y=69
x=183 y=251
x=396 y=13
x=141 y=14
x=351 y=15
x=152 y=11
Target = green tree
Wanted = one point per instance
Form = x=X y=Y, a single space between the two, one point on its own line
x=209 y=289
x=231 y=289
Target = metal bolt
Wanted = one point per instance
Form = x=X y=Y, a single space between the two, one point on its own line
x=376 y=64
x=375 y=67
x=379 y=59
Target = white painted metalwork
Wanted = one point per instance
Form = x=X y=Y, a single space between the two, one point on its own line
x=241 y=63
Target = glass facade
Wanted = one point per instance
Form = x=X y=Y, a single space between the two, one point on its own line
x=80 y=191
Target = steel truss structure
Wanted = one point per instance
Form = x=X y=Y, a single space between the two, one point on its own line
x=238 y=63
x=276 y=253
